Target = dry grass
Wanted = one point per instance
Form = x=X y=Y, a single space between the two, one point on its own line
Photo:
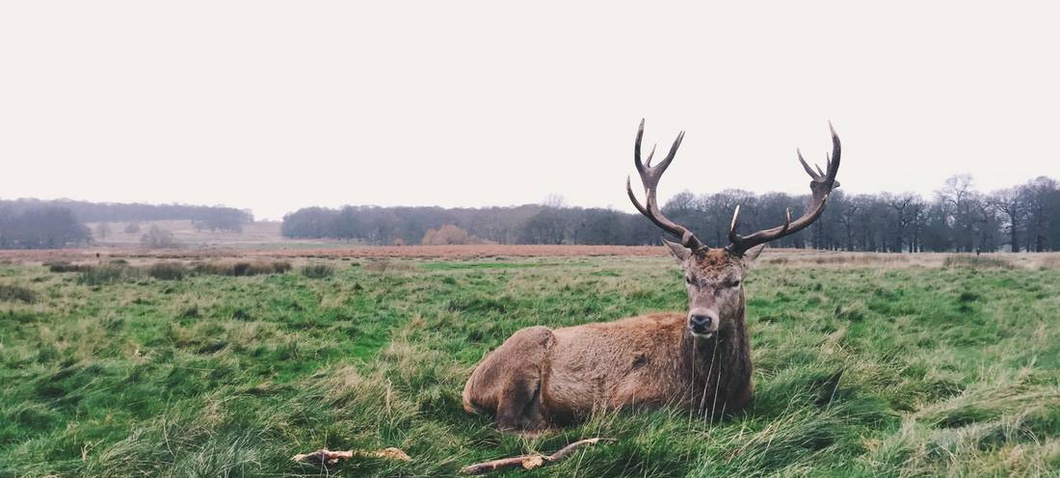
x=802 y=257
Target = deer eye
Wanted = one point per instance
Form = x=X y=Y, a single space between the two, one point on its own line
x=688 y=280
x=734 y=284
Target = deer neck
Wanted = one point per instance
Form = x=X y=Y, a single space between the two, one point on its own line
x=720 y=366
x=705 y=354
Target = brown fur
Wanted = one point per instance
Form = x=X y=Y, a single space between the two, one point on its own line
x=541 y=376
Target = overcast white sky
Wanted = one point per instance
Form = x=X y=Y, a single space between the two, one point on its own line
x=274 y=106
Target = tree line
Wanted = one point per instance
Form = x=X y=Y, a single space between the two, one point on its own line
x=134 y=212
x=956 y=218
x=526 y=224
x=39 y=224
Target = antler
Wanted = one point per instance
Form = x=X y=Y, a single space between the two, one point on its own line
x=821 y=185
x=650 y=175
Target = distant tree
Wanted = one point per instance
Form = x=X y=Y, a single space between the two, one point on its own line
x=987 y=226
x=347 y=224
x=960 y=203
x=556 y=201
x=158 y=238
x=771 y=210
x=221 y=218
x=601 y=226
x=42 y=227
x=132 y=228
x=1009 y=204
x=641 y=230
x=546 y=227
x=382 y=225
x=917 y=216
x=310 y=222
x=900 y=218
x=686 y=209
x=719 y=209
x=827 y=232
x=1042 y=197
x=937 y=236
x=8 y=222
x=102 y=230
x=847 y=213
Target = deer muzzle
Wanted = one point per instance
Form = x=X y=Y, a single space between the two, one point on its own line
x=703 y=323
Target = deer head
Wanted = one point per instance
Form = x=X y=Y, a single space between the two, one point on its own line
x=714 y=276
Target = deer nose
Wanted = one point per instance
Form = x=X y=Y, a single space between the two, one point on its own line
x=700 y=323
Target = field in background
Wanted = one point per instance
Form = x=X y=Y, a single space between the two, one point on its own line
x=228 y=361
x=257 y=235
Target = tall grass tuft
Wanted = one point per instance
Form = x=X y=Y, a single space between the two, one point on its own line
x=318 y=270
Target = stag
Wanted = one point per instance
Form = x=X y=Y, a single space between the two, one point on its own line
x=699 y=360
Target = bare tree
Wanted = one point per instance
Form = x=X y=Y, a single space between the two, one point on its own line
x=1009 y=202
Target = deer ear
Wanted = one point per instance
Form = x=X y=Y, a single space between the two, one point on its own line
x=753 y=253
x=680 y=252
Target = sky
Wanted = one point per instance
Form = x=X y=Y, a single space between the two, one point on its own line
x=274 y=106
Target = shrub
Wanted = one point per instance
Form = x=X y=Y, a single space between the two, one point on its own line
x=167 y=271
x=318 y=270
x=976 y=262
x=209 y=268
x=11 y=293
x=102 y=274
x=63 y=266
x=448 y=235
x=240 y=269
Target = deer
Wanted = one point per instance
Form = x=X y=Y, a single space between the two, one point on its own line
x=699 y=360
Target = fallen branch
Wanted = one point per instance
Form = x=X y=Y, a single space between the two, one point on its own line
x=527 y=462
x=329 y=458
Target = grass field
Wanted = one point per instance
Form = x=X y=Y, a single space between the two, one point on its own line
x=865 y=366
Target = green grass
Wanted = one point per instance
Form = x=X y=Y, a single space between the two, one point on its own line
x=860 y=371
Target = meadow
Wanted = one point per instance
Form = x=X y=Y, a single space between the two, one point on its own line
x=865 y=365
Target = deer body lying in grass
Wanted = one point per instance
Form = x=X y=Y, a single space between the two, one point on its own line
x=699 y=360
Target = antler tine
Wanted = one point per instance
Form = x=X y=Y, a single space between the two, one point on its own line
x=733 y=236
x=806 y=166
x=649 y=176
x=833 y=160
x=636 y=150
x=821 y=186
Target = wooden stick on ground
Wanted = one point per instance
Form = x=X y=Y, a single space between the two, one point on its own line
x=527 y=462
x=329 y=458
